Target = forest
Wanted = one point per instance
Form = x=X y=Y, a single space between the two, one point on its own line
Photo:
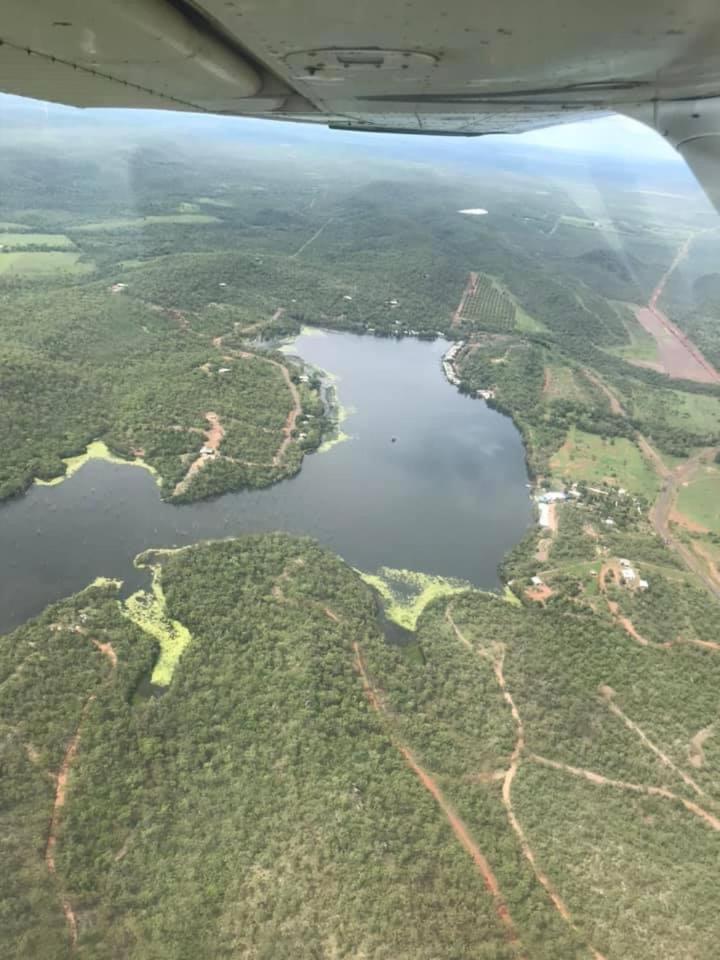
x=302 y=783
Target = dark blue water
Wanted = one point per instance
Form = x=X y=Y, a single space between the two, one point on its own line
x=448 y=498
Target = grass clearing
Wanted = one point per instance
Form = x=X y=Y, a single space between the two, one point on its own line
x=43 y=264
x=57 y=241
x=562 y=384
x=121 y=223
x=525 y=323
x=688 y=412
x=642 y=347
x=699 y=501
x=585 y=456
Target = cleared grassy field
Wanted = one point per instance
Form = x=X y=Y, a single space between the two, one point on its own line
x=585 y=456
x=56 y=240
x=42 y=264
x=689 y=412
x=561 y=383
x=527 y=324
x=700 y=500
x=642 y=347
x=120 y=223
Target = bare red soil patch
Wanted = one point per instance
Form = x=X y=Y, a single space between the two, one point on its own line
x=679 y=357
x=107 y=649
x=685 y=522
x=213 y=438
x=469 y=291
x=539 y=594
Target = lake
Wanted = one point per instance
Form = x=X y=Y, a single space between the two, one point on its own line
x=449 y=497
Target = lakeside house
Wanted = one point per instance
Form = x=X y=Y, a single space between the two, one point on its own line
x=552 y=496
x=448 y=362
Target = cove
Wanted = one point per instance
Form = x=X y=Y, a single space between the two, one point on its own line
x=447 y=498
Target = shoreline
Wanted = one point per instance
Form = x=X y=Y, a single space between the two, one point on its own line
x=95 y=450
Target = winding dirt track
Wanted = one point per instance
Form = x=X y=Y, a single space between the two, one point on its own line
x=456 y=823
x=216 y=432
x=107 y=650
x=599 y=780
x=294 y=393
x=61 y=781
x=607 y=696
x=615 y=405
x=213 y=438
x=291 y=417
x=497 y=662
x=661 y=510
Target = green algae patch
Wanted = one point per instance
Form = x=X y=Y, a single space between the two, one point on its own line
x=509 y=597
x=338 y=435
x=406 y=593
x=97 y=450
x=148 y=610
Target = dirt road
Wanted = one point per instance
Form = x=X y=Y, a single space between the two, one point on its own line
x=314 y=237
x=497 y=659
x=61 y=782
x=607 y=696
x=599 y=780
x=456 y=823
x=469 y=291
x=661 y=511
x=615 y=405
x=291 y=417
x=213 y=438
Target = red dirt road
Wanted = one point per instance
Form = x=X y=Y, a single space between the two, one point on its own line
x=469 y=291
x=458 y=826
x=213 y=438
x=61 y=782
x=679 y=357
x=497 y=662
x=602 y=781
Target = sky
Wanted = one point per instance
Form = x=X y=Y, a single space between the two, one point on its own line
x=608 y=136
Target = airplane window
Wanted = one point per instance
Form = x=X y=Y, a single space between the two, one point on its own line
x=360 y=539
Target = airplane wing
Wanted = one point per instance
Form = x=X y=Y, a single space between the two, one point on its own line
x=411 y=66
